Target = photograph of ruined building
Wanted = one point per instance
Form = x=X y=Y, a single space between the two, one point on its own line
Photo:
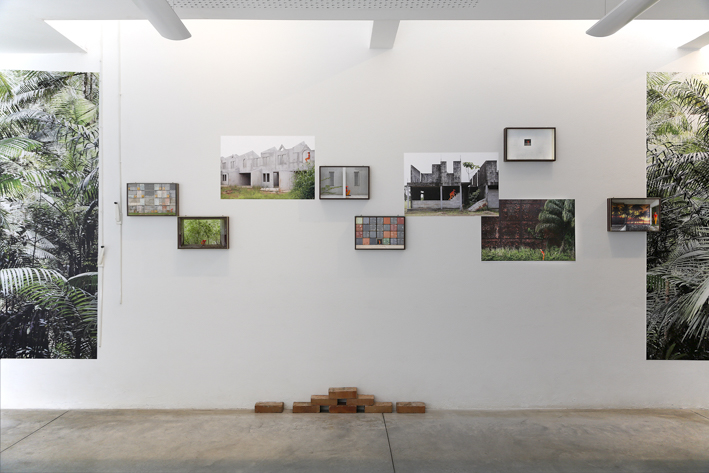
x=457 y=184
x=267 y=167
x=530 y=230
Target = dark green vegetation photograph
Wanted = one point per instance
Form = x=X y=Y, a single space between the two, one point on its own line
x=678 y=255
x=49 y=136
x=530 y=230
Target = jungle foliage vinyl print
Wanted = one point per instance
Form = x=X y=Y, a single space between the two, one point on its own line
x=49 y=158
x=678 y=255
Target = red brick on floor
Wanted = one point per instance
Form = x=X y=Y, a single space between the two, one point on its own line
x=269 y=407
x=377 y=407
x=411 y=407
x=322 y=400
x=305 y=408
x=342 y=393
x=343 y=409
x=362 y=400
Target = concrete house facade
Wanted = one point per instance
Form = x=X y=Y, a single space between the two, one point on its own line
x=445 y=190
x=274 y=168
x=436 y=190
x=488 y=180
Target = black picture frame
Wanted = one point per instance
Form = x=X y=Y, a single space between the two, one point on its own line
x=142 y=199
x=634 y=214
x=204 y=244
x=529 y=143
x=334 y=182
x=381 y=234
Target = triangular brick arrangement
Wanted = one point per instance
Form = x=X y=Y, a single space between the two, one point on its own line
x=343 y=401
x=348 y=401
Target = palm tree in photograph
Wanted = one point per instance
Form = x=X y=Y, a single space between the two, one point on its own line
x=48 y=214
x=557 y=219
x=678 y=255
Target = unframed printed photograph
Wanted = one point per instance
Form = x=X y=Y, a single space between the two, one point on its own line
x=451 y=184
x=530 y=230
x=267 y=167
x=677 y=172
x=49 y=214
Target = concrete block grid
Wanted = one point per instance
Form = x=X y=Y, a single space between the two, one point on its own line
x=579 y=441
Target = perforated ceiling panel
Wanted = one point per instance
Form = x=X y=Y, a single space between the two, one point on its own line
x=327 y=4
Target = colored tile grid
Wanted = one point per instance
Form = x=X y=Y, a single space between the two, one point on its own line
x=380 y=233
x=152 y=199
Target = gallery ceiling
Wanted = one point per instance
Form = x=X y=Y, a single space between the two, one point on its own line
x=23 y=28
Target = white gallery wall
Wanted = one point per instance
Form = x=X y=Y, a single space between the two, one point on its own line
x=291 y=308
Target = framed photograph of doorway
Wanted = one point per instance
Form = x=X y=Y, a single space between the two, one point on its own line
x=344 y=182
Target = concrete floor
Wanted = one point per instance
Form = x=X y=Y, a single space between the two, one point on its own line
x=529 y=441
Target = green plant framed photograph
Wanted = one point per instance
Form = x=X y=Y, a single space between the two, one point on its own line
x=203 y=233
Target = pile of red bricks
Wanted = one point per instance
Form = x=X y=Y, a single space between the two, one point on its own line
x=343 y=401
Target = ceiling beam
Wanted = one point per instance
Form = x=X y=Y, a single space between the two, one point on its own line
x=383 y=34
x=163 y=18
x=697 y=43
x=620 y=16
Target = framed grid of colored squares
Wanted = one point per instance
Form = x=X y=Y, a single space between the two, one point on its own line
x=153 y=199
x=380 y=233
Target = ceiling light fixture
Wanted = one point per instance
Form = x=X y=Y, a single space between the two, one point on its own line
x=620 y=16
x=164 y=19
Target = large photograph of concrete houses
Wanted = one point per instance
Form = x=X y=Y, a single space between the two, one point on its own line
x=451 y=184
x=267 y=167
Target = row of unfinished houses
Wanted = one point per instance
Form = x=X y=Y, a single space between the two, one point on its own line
x=274 y=168
x=440 y=189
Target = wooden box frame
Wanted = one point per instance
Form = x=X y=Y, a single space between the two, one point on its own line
x=224 y=238
x=654 y=208
x=153 y=214
x=343 y=195
x=380 y=246
x=516 y=152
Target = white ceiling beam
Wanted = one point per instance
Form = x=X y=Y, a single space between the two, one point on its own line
x=164 y=19
x=697 y=43
x=619 y=17
x=383 y=34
